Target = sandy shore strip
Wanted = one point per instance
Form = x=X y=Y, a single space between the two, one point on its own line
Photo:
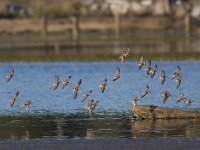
x=103 y=144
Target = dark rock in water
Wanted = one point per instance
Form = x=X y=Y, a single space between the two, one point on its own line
x=157 y=112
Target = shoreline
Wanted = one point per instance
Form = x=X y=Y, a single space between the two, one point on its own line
x=171 y=143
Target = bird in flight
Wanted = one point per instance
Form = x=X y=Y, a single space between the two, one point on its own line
x=165 y=95
x=76 y=88
x=13 y=99
x=162 y=77
x=26 y=104
x=10 y=75
x=146 y=91
x=65 y=82
x=91 y=106
x=124 y=55
x=103 y=85
x=176 y=73
x=56 y=82
x=117 y=74
x=140 y=63
x=86 y=95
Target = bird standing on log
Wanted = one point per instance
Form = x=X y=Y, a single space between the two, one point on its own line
x=134 y=101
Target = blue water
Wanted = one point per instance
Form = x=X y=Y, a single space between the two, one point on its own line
x=34 y=81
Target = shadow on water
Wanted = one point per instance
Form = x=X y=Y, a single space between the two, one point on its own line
x=99 y=125
x=60 y=46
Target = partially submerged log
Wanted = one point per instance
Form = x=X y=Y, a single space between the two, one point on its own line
x=157 y=112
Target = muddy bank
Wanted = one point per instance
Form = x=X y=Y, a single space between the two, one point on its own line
x=104 y=144
x=156 y=112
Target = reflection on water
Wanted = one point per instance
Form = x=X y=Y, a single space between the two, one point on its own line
x=140 y=41
x=62 y=126
x=165 y=128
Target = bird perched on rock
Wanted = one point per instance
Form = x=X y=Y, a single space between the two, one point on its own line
x=140 y=63
x=124 y=55
x=117 y=74
x=176 y=73
x=91 y=106
x=181 y=97
x=178 y=81
x=86 y=95
x=26 y=104
x=65 y=82
x=10 y=75
x=148 y=67
x=13 y=99
x=76 y=88
x=134 y=101
x=153 y=71
x=146 y=91
x=188 y=102
x=103 y=85
x=162 y=77
x=56 y=82
x=165 y=95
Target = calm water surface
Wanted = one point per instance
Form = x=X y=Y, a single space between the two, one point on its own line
x=55 y=114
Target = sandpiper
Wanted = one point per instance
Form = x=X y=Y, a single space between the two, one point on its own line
x=134 y=101
x=117 y=74
x=86 y=95
x=91 y=106
x=188 y=102
x=148 y=67
x=26 y=104
x=76 y=88
x=124 y=55
x=13 y=99
x=181 y=97
x=176 y=73
x=65 y=82
x=10 y=75
x=153 y=71
x=165 y=95
x=178 y=81
x=162 y=77
x=56 y=82
x=103 y=85
x=140 y=63
x=146 y=91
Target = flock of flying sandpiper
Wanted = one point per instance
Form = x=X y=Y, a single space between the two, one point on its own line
x=90 y=106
